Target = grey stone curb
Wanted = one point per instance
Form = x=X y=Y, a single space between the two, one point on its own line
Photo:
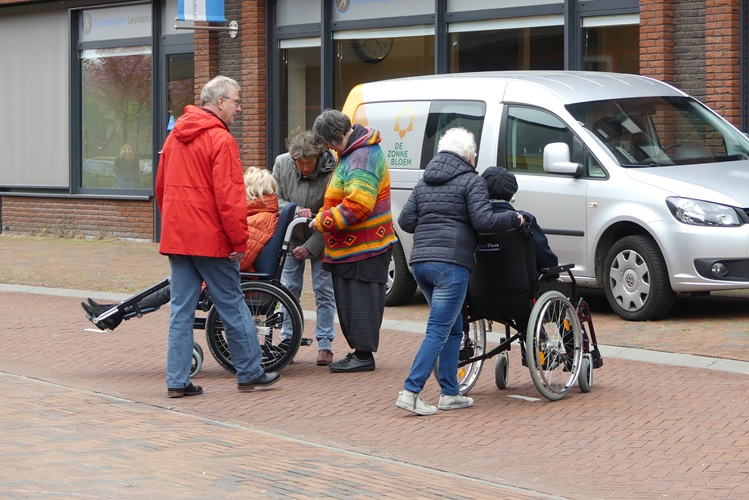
x=645 y=356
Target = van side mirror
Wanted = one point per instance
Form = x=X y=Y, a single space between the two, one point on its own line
x=557 y=160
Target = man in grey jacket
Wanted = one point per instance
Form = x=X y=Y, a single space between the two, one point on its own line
x=302 y=175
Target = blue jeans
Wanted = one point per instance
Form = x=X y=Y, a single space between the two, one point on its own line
x=322 y=284
x=221 y=276
x=444 y=286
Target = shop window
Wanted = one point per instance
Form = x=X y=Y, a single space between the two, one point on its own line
x=116 y=118
x=380 y=57
x=528 y=48
x=300 y=86
x=612 y=48
x=180 y=86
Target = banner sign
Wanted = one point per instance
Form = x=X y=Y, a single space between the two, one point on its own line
x=211 y=11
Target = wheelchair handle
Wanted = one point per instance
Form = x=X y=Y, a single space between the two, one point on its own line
x=294 y=223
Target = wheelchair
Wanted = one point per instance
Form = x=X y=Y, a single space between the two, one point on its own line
x=552 y=324
x=269 y=301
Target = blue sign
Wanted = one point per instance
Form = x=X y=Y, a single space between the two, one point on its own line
x=211 y=11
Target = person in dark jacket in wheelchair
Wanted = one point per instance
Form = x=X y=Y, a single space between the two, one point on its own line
x=445 y=210
x=502 y=186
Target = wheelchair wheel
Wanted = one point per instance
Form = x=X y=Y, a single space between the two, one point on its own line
x=586 y=374
x=268 y=305
x=554 y=345
x=501 y=370
x=473 y=344
x=197 y=359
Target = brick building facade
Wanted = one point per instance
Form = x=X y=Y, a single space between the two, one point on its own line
x=693 y=44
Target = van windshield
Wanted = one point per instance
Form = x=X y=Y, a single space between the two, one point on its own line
x=661 y=131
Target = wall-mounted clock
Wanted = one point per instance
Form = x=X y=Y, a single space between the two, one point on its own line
x=372 y=50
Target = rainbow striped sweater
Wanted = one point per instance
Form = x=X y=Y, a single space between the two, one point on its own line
x=355 y=218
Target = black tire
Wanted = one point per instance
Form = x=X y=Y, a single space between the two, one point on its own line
x=268 y=305
x=636 y=280
x=197 y=359
x=401 y=286
x=585 y=380
x=501 y=370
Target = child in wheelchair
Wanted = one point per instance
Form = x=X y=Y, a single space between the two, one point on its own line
x=262 y=218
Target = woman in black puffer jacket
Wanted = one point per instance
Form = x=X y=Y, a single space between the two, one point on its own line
x=446 y=209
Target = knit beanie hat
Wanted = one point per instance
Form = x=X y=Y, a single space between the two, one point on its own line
x=501 y=184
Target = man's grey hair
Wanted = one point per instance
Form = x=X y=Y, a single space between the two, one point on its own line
x=459 y=141
x=220 y=86
x=303 y=146
x=331 y=126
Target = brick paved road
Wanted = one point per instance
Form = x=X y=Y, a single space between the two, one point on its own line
x=84 y=414
x=645 y=430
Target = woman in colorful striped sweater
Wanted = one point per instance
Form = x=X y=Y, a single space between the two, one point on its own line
x=358 y=230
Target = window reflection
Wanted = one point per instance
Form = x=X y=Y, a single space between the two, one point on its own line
x=613 y=48
x=364 y=60
x=300 y=89
x=511 y=49
x=117 y=135
x=180 y=86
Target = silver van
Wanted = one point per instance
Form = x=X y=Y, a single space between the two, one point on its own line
x=640 y=185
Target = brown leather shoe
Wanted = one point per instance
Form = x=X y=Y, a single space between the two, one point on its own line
x=324 y=357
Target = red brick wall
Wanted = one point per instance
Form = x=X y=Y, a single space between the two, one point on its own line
x=75 y=217
x=722 y=61
x=254 y=140
x=656 y=39
x=206 y=58
x=243 y=58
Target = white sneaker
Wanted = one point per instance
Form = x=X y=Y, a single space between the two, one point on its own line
x=454 y=402
x=412 y=402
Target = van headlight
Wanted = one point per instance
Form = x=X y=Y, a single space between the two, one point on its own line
x=702 y=213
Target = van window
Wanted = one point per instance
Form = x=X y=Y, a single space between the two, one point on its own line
x=528 y=131
x=444 y=115
x=661 y=131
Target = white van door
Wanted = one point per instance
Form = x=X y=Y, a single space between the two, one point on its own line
x=557 y=201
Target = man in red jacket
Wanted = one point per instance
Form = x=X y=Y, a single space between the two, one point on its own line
x=201 y=194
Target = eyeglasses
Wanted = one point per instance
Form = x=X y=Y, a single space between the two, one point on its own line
x=231 y=98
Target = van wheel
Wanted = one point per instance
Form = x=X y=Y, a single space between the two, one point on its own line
x=636 y=279
x=401 y=286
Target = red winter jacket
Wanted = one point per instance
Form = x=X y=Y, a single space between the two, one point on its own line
x=200 y=189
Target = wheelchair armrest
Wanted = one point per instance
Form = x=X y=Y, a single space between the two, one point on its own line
x=562 y=268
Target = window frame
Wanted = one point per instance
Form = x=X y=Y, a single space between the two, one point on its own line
x=76 y=111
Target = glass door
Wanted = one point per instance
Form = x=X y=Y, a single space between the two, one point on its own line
x=180 y=86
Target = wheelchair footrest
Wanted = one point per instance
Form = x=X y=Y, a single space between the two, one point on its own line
x=595 y=356
x=306 y=342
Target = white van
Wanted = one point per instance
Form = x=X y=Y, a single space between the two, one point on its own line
x=641 y=186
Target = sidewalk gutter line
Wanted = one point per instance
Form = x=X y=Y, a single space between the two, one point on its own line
x=642 y=355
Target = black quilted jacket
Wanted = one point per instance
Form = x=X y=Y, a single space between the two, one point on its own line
x=446 y=209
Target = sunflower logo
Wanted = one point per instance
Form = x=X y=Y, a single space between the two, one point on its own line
x=405 y=115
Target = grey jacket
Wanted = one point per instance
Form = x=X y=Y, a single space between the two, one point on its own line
x=306 y=192
x=446 y=209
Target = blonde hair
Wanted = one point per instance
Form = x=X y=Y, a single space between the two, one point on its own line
x=258 y=182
